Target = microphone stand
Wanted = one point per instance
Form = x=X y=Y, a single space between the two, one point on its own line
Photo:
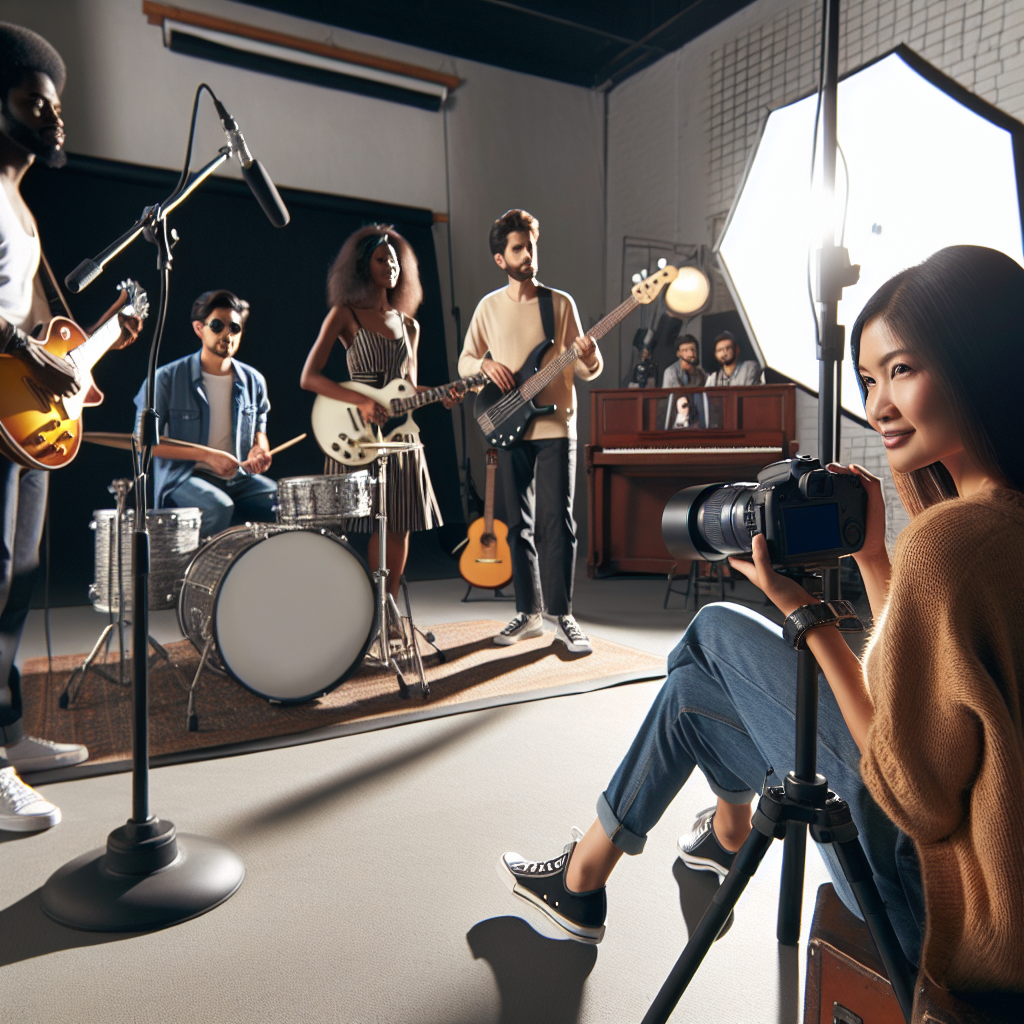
x=148 y=876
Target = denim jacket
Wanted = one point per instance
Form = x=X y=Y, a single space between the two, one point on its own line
x=183 y=412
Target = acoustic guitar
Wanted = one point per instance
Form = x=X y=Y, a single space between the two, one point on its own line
x=486 y=560
x=342 y=433
x=40 y=430
x=505 y=417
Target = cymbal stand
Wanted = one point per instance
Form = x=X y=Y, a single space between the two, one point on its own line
x=404 y=647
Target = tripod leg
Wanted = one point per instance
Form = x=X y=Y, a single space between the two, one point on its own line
x=750 y=855
x=794 y=851
x=71 y=690
x=858 y=873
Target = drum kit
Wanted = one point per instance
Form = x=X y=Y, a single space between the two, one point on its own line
x=289 y=610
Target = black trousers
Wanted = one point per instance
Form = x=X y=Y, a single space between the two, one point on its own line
x=22 y=511
x=539 y=480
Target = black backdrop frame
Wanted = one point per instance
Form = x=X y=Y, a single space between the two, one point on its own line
x=226 y=242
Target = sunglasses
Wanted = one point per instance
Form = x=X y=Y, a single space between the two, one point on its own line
x=217 y=325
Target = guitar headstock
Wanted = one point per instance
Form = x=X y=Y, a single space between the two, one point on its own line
x=492 y=456
x=649 y=288
x=137 y=303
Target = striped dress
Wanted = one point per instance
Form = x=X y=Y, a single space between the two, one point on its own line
x=375 y=359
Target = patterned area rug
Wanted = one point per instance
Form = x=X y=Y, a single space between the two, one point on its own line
x=231 y=719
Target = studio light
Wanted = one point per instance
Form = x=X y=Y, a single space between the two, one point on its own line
x=688 y=293
x=924 y=164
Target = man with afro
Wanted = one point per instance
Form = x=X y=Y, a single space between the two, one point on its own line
x=32 y=77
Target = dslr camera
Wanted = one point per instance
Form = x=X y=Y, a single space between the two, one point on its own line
x=809 y=516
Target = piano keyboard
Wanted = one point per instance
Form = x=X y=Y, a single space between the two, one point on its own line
x=773 y=450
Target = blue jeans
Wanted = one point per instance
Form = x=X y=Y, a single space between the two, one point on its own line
x=728 y=706
x=224 y=503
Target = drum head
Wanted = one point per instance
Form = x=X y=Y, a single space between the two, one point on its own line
x=294 y=615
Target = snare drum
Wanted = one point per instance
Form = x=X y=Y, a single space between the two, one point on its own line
x=324 y=500
x=173 y=541
x=291 y=611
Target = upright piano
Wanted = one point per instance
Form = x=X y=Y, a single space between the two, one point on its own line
x=638 y=458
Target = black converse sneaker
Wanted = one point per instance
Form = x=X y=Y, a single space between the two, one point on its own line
x=541 y=883
x=700 y=849
x=522 y=627
x=572 y=636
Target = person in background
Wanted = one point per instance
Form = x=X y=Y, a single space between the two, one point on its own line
x=686 y=371
x=732 y=372
x=214 y=399
x=687 y=414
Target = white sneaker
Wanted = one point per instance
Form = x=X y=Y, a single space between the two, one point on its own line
x=572 y=636
x=31 y=754
x=22 y=809
x=522 y=627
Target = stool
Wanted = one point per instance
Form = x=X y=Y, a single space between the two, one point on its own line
x=694 y=582
x=847 y=984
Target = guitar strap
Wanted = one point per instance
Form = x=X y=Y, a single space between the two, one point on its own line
x=547 y=312
x=54 y=296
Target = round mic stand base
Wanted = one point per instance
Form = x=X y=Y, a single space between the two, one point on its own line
x=146 y=877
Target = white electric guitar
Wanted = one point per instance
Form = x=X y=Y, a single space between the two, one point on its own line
x=342 y=433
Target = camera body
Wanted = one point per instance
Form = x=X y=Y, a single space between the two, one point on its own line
x=808 y=516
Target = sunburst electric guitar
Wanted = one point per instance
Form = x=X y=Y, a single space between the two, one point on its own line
x=41 y=430
x=504 y=418
x=486 y=560
x=341 y=431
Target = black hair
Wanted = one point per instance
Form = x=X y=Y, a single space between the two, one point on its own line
x=961 y=312
x=687 y=339
x=219 y=298
x=367 y=246
x=23 y=50
x=509 y=221
x=726 y=336
x=350 y=283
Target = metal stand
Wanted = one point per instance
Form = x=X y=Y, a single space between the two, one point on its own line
x=147 y=876
x=396 y=633
x=499 y=594
x=805 y=800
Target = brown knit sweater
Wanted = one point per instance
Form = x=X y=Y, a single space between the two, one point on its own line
x=945 y=751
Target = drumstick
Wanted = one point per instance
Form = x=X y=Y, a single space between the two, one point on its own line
x=287 y=444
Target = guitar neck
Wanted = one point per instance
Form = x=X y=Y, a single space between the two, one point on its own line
x=422 y=398
x=89 y=353
x=542 y=378
x=489 y=498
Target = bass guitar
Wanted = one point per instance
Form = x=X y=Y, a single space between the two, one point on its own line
x=40 y=430
x=504 y=418
x=486 y=560
x=342 y=433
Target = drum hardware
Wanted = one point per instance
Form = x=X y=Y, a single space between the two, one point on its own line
x=403 y=649
x=324 y=500
x=288 y=612
x=108 y=592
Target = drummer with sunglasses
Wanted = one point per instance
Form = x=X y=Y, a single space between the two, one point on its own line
x=211 y=398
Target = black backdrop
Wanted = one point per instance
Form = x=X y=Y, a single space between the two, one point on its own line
x=226 y=242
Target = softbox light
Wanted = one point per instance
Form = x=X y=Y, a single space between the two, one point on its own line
x=927 y=165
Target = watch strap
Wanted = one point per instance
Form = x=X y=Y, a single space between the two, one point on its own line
x=841 y=614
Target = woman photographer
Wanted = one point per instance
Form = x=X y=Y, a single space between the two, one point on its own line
x=925 y=738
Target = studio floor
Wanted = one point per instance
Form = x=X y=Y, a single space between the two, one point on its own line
x=371 y=893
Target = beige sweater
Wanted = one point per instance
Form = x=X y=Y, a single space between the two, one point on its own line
x=945 y=751
x=509 y=331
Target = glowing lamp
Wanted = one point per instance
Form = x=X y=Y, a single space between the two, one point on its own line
x=688 y=293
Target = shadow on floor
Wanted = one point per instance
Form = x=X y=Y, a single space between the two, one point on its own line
x=26 y=932
x=540 y=980
x=696 y=890
x=315 y=799
x=478 y=674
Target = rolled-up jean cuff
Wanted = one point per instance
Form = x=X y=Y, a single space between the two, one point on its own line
x=742 y=796
x=620 y=836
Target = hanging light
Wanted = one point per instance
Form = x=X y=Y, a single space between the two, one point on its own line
x=688 y=293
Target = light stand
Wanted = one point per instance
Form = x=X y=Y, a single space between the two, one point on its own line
x=784 y=812
x=147 y=876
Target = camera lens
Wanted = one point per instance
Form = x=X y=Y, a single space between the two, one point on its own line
x=708 y=522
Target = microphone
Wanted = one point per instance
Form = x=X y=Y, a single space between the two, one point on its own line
x=253 y=171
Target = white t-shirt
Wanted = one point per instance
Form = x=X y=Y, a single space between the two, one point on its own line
x=19 y=261
x=219 y=387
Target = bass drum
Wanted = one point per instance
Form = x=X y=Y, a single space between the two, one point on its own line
x=291 y=612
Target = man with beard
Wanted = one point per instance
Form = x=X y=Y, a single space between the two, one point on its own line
x=211 y=398
x=539 y=473
x=32 y=77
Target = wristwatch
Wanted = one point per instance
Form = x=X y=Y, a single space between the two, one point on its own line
x=841 y=614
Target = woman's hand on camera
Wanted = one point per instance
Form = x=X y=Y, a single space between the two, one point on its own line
x=874 y=529
x=787 y=595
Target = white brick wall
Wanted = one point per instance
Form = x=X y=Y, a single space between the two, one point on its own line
x=680 y=132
